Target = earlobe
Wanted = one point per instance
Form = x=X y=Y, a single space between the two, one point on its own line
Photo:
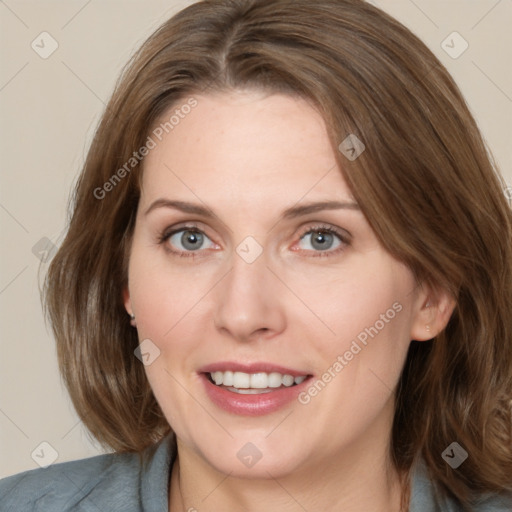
x=434 y=312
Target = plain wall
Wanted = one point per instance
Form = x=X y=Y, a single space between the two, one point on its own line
x=49 y=109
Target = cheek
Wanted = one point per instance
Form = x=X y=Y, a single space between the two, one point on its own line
x=362 y=299
x=168 y=305
x=369 y=313
x=363 y=323
x=165 y=297
x=171 y=305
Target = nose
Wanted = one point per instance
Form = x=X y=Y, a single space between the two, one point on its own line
x=249 y=301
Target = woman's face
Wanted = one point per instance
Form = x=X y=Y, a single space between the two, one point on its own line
x=252 y=265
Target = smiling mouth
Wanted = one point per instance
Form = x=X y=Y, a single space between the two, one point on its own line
x=253 y=383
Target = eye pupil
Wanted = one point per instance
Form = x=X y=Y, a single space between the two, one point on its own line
x=191 y=240
x=322 y=240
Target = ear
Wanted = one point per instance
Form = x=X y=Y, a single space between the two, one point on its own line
x=127 y=300
x=434 y=307
x=128 y=305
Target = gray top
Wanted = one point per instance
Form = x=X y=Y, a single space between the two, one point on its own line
x=120 y=483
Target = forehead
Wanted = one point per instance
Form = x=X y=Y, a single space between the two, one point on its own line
x=244 y=145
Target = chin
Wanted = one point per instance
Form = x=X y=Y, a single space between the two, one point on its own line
x=255 y=457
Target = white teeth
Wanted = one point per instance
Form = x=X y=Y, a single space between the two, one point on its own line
x=274 y=380
x=288 y=380
x=227 y=379
x=250 y=391
x=241 y=380
x=260 y=380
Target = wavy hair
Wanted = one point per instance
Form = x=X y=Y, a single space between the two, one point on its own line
x=426 y=184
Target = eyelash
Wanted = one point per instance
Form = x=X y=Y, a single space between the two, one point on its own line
x=344 y=239
x=167 y=233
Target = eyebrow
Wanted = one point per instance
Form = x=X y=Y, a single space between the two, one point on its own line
x=290 y=213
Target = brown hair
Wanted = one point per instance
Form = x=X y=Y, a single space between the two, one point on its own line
x=425 y=182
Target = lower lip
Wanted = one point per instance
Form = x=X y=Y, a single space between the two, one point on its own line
x=252 y=405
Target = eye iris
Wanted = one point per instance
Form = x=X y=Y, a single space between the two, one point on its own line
x=322 y=240
x=191 y=240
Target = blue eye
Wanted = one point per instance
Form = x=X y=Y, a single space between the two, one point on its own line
x=191 y=241
x=320 y=240
x=187 y=240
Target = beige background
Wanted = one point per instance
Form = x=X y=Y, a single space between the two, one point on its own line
x=49 y=108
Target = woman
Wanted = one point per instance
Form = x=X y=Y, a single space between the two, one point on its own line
x=287 y=277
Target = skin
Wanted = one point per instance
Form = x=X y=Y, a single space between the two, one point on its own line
x=248 y=157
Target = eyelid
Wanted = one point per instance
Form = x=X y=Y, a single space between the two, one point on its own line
x=166 y=234
x=344 y=236
x=320 y=226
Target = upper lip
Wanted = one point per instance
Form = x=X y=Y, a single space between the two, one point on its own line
x=255 y=367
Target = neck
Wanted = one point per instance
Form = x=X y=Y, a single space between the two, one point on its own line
x=344 y=483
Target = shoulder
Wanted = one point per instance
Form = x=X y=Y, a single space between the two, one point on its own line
x=63 y=486
x=426 y=498
x=114 y=482
x=494 y=503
